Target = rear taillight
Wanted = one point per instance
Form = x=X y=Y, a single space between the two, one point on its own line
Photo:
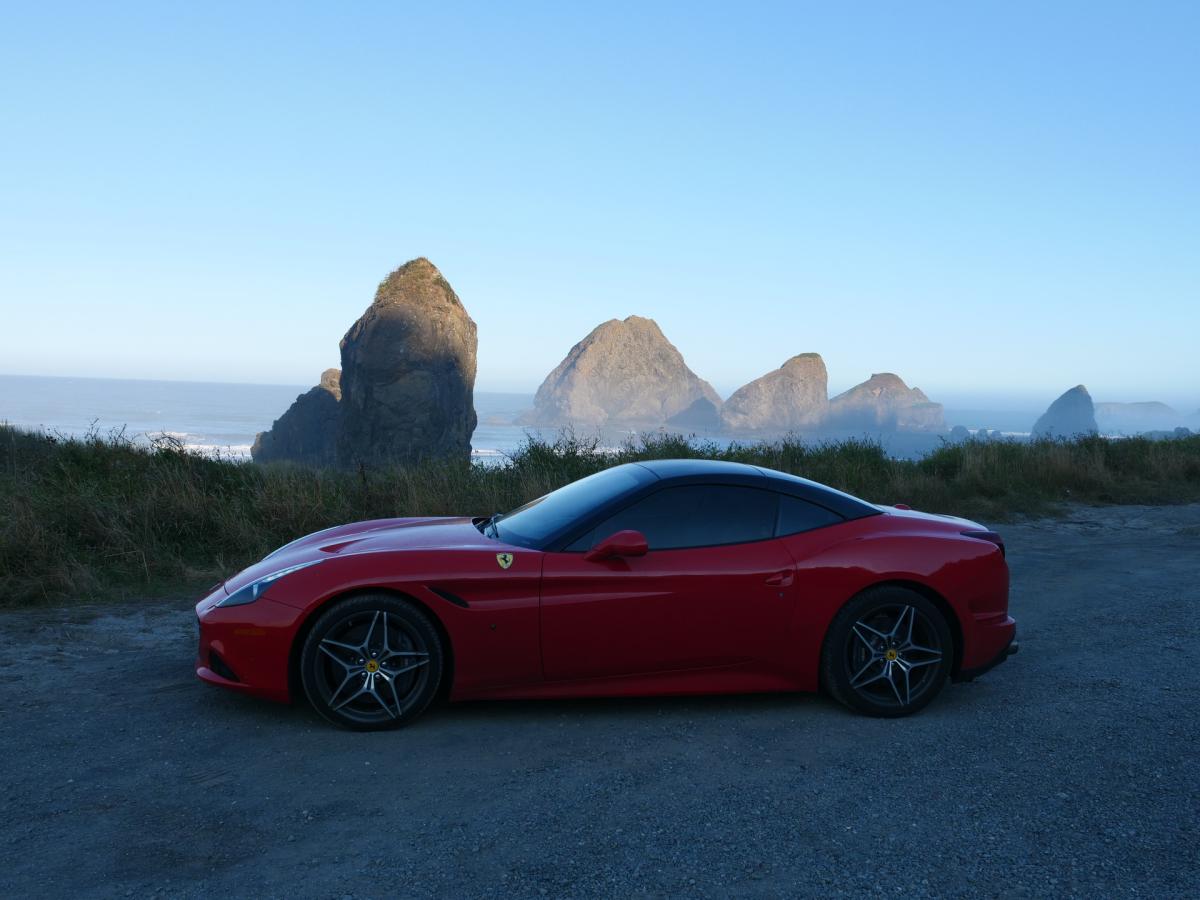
x=990 y=536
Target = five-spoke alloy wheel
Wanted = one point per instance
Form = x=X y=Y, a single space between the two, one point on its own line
x=372 y=662
x=888 y=652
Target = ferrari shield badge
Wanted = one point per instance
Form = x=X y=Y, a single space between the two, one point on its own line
x=505 y=560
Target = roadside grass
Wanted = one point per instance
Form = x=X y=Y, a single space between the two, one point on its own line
x=104 y=516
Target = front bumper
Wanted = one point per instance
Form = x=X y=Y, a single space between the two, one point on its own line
x=246 y=649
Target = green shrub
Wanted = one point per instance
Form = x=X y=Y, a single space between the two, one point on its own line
x=103 y=515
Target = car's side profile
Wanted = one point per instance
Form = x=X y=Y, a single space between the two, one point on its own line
x=664 y=577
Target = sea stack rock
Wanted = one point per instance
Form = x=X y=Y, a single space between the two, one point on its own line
x=624 y=373
x=1134 y=418
x=796 y=395
x=1070 y=415
x=307 y=431
x=885 y=403
x=408 y=373
x=703 y=415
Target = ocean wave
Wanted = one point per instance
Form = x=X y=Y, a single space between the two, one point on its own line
x=234 y=449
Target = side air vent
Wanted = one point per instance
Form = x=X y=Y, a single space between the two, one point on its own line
x=449 y=597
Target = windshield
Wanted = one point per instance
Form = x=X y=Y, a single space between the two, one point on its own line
x=533 y=524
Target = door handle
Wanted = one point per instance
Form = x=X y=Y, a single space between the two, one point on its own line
x=780 y=579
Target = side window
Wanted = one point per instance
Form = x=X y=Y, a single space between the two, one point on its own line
x=796 y=515
x=694 y=516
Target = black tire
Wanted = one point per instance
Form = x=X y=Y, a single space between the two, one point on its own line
x=372 y=662
x=888 y=652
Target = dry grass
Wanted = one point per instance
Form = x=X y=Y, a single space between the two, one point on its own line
x=104 y=516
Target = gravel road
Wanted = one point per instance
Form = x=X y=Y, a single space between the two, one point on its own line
x=1072 y=770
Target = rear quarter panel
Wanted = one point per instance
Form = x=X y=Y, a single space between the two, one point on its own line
x=835 y=564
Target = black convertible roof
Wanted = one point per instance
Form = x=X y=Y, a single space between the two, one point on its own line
x=667 y=469
x=715 y=471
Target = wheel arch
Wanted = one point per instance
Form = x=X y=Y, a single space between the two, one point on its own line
x=944 y=607
x=296 y=690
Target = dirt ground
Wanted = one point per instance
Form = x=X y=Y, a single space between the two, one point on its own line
x=1072 y=770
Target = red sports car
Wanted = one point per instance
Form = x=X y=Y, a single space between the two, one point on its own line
x=665 y=577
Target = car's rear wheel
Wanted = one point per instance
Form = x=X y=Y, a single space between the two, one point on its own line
x=888 y=652
x=372 y=662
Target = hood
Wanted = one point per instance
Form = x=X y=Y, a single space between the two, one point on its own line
x=372 y=536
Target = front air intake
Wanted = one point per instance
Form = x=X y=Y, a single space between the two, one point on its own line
x=219 y=666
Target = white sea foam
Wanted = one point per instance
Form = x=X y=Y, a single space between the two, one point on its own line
x=237 y=451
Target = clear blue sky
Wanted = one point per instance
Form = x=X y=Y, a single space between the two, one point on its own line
x=991 y=199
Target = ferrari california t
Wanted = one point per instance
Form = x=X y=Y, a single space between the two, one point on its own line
x=664 y=577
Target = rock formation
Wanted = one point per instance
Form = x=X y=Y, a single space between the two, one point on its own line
x=796 y=395
x=885 y=403
x=960 y=433
x=408 y=372
x=703 y=414
x=1070 y=415
x=623 y=373
x=405 y=389
x=307 y=431
x=1136 y=417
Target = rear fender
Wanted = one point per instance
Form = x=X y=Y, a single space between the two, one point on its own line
x=962 y=576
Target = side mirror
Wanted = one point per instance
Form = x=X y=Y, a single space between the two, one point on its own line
x=623 y=543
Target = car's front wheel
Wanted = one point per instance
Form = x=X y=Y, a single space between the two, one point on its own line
x=371 y=662
x=888 y=652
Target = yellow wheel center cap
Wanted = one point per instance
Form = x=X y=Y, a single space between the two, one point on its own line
x=891 y=655
x=372 y=666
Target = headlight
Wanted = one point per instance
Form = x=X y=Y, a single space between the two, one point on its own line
x=255 y=589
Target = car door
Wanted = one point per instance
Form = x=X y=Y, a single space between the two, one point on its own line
x=714 y=589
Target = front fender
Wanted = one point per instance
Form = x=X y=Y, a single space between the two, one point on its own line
x=489 y=614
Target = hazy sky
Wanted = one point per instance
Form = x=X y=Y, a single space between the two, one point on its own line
x=984 y=198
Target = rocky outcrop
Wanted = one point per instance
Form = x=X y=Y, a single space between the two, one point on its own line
x=624 y=373
x=405 y=388
x=703 y=414
x=922 y=416
x=1136 y=417
x=1070 y=415
x=307 y=431
x=408 y=372
x=796 y=395
x=885 y=403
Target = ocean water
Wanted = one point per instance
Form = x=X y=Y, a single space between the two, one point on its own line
x=205 y=416
x=224 y=418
